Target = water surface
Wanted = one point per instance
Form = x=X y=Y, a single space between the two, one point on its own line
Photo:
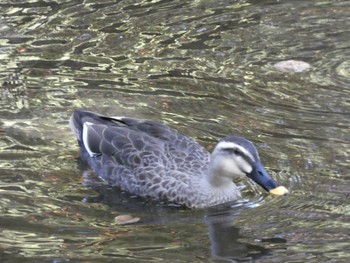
x=205 y=68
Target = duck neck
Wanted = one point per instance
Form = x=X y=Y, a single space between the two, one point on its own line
x=215 y=189
x=219 y=172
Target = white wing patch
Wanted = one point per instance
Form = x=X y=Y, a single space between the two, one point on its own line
x=86 y=127
x=118 y=118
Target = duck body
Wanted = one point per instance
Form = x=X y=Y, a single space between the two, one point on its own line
x=150 y=159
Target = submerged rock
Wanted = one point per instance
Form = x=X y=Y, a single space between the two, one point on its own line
x=126 y=219
x=292 y=66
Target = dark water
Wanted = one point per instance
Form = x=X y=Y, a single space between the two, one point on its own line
x=206 y=69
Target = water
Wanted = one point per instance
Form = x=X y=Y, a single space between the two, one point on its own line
x=207 y=69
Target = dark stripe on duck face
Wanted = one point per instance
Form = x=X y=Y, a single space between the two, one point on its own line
x=244 y=144
x=238 y=152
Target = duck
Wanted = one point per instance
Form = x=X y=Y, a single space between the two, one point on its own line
x=152 y=160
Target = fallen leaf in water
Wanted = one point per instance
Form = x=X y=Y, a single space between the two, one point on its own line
x=292 y=66
x=165 y=106
x=126 y=219
x=21 y=49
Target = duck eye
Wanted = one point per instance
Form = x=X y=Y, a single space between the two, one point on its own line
x=237 y=152
x=232 y=151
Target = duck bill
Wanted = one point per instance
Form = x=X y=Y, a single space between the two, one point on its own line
x=262 y=178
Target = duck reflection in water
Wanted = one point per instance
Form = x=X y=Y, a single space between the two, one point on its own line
x=225 y=240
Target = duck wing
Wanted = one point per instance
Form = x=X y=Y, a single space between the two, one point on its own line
x=182 y=153
x=124 y=151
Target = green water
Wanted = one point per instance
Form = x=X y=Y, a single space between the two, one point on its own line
x=205 y=68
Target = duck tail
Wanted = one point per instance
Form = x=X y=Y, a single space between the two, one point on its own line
x=77 y=120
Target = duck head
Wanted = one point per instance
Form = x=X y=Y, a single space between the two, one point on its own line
x=236 y=157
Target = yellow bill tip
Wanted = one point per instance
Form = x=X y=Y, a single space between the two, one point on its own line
x=280 y=190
